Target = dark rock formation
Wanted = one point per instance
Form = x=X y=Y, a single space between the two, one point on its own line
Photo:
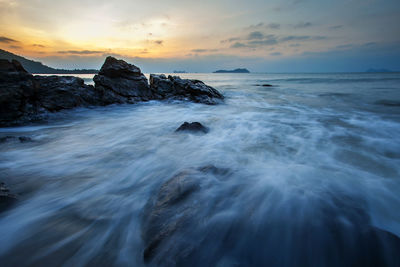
x=192 y=127
x=264 y=85
x=120 y=82
x=6 y=199
x=174 y=87
x=171 y=212
x=25 y=98
x=195 y=221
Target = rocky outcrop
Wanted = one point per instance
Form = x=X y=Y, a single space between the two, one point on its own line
x=192 y=127
x=120 y=82
x=174 y=87
x=25 y=98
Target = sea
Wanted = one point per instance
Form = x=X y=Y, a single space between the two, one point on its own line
x=313 y=163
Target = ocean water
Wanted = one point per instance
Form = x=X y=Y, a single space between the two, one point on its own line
x=313 y=167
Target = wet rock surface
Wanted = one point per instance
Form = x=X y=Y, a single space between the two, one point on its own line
x=26 y=98
x=174 y=87
x=180 y=229
x=192 y=127
x=120 y=82
x=170 y=214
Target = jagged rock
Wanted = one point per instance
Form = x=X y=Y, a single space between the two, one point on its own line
x=6 y=198
x=121 y=82
x=25 y=98
x=192 y=127
x=174 y=87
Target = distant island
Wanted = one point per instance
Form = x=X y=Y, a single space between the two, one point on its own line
x=378 y=70
x=233 y=71
x=179 y=71
x=39 y=68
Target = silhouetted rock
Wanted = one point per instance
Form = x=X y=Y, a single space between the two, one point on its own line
x=120 y=82
x=6 y=199
x=192 y=127
x=264 y=85
x=174 y=87
x=25 y=98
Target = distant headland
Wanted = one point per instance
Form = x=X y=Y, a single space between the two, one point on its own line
x=39 y=68
x=233 y=71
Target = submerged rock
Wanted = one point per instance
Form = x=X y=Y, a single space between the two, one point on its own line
x=22 y=139
x=196 y=220
x=6 y=198
x=171 y=212
x=192 y=127
x=174 y=87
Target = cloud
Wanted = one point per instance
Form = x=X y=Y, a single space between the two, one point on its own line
x=275 y=54
x=203 y=50
x=302 y=25
x=230 y=40
x=258 y=39
x=255 y=35
x=7 y=40
x=238 y=45
x=15 y=46
x=39 y=45
x=81 y=52
x=274 y=26
x=301 y=38
x=159 y=42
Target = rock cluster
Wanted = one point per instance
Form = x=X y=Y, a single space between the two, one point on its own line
x=25 y=98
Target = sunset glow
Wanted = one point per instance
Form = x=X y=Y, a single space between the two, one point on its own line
x=59 y=32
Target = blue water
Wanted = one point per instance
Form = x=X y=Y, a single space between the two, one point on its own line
x=311 y=150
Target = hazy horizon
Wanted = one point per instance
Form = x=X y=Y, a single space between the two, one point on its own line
x=296 y=36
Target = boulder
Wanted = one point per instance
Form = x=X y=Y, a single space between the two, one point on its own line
x=192 y=127
x=121 y=82
x=174 y=87
x=170 y=213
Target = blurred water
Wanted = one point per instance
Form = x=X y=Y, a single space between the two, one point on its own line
x=308 y=139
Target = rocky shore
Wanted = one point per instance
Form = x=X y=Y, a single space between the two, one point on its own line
x=26 y=98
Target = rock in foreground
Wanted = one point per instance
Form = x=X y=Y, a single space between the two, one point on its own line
x=192 y=127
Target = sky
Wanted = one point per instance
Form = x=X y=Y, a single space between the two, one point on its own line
x=203 y=36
